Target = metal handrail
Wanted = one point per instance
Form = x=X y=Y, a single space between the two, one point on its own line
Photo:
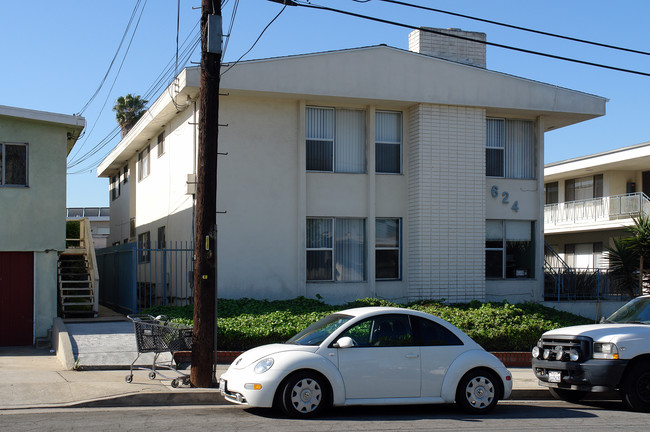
x=607 y=208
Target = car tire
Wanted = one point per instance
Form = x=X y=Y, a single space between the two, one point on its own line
x=636 y=387
x=304 y=395
x=567 y=395
x=478 y=391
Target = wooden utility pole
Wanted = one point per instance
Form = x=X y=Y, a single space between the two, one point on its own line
x=205 y=239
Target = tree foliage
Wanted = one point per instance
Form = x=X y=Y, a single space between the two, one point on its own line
x=128 y=110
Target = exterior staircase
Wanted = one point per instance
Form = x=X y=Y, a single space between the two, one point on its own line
x=78 y=279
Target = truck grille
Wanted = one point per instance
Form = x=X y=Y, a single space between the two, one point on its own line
x=557 y=348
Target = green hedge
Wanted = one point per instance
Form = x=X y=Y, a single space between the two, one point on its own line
x=246 y=323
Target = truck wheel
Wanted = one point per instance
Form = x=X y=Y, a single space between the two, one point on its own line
x=567 y=395
x=636 y=387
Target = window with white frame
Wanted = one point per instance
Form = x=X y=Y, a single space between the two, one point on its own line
x=13 y=164
x=336 y=249
x=510 y=149
x=335 y=140
x=388 y=142
x=144 y=164
x=388 y=235
x=161 y=144
x=509 y=249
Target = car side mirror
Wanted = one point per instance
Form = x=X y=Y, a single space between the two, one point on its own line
x=344 y=342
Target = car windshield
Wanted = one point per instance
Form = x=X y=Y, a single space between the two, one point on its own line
x=636 y=311
x=316 y=333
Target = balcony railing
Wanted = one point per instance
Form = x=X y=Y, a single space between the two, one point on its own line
x=597 y=210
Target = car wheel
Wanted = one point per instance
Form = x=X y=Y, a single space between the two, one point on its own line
x=636 y=387
x=477 y=392
x=567 y=395
x=304 y=395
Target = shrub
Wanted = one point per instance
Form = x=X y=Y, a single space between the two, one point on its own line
x=246 y=323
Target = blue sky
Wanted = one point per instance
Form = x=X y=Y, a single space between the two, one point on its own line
x=55 y=53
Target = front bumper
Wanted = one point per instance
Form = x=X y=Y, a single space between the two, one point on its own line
x=235 y=386
x=593 y=375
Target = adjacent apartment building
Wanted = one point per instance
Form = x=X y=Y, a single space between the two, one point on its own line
x=592 y=199
x=366 y=172
x=33 y=150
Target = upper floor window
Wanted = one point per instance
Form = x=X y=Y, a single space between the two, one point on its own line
x=336 y=249
x=510 y=149
x=335 y=140
x=13 y=164
x=115 y=187
x=126 y=173
x=388 y=145
x=551 y=193
x=143 y=164
x=583 y=188
x=161 y=144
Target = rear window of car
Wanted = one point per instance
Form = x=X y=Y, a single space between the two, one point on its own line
x=430 y=333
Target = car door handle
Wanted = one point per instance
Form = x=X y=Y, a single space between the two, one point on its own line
x=412 y=355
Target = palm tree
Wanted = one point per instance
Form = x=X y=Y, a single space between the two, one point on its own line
x=640 y=243
x=128 y=110
x=623 y=262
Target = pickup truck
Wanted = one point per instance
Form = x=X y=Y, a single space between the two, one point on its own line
x=613 y=355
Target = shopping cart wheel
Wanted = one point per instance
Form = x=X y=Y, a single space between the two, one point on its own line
x=175 y=383
x=186 y=381
x=152 y=375
x=128 y=378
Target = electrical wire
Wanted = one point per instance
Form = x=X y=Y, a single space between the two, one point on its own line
x=256 y=41
x=584 y=41
x=188 y=47
x=101 y=84
x=72 y=164
x=232 y=23
x=428 y=30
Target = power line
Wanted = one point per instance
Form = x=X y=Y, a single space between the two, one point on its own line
x=538 y=53
x=256 y=40
x=101 y=84
x=397 y=2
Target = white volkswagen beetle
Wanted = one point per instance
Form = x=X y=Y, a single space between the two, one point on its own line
x=369 y=356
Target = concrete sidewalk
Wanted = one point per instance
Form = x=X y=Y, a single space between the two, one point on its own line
x=102 y=352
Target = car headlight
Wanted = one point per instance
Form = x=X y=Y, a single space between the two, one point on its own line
x=605 y=351
x=535 y=352
x=263 y=365
x=574 y=354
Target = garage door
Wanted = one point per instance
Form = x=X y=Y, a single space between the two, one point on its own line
x=17 y=294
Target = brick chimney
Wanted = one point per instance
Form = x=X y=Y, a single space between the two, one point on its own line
x=449 y=48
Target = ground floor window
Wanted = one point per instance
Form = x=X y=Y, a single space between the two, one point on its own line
x=584 y=255
x=509 y=249
x=144 y=245
x=336 y=249
x=388 y=240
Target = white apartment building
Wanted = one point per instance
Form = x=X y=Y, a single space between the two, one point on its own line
x=367 y=172
x=592 y=199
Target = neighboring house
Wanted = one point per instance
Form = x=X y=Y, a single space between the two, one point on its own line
x=368 y=172
x=33 y=149
x=99 y=218
x=592 y=199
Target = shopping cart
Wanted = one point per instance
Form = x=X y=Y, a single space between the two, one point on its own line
x=157 y=335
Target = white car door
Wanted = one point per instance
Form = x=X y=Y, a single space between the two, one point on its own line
x=439 y=348
x=384 y=363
